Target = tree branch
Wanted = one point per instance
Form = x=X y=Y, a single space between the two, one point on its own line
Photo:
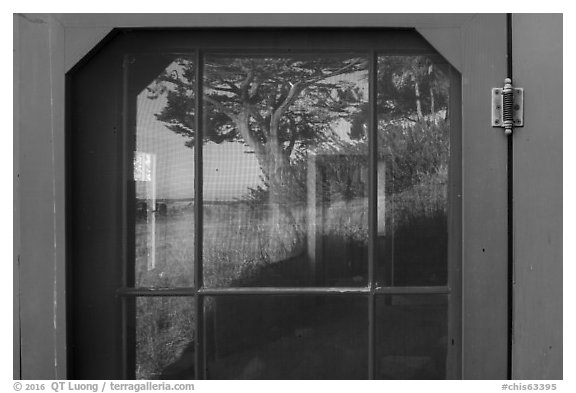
x=409 y=119
x=339 y=71
x=176 y=81
x=246 y=84
x=257 y=116
x=221 y=108
x=295 y=89
x=254 y=89
x=224 y=89
x=290 y=146
x=232 y=86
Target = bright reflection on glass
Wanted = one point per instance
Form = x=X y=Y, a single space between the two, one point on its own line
x=163 y=171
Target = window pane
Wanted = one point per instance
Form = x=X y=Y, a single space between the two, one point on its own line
x=412 y=167
x=411 y=337
x=285 y=171
x=163 y=170
x=164 y=338
x=287 y=337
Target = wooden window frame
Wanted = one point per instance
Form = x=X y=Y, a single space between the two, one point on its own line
x=55 y=47
x=371 y=43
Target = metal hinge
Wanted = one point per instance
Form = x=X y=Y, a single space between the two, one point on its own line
x=508 y=107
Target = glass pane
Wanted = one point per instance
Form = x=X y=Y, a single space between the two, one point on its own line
x=164 y=170
x=285 y=171
x=164 y=338
x=287 y=337
x=413 y=157
x=411 y=337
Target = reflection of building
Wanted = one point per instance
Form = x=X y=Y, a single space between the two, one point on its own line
x=337 y=217
x=143 y=211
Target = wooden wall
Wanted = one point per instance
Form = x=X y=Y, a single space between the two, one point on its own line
x=537 y=67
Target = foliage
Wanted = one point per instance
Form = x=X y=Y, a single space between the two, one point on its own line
x=413 y=153
x=280 y=100
x=410 y=88
x=164 y=327
x=285 y=107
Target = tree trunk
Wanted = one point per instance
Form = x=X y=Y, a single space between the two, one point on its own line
x=286 y=233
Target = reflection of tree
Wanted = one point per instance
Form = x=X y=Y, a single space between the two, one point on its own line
x=284 y=108
x=413 y=153
x=274 y=105
x=413 y=126
x=280 y=107
x=410 y=88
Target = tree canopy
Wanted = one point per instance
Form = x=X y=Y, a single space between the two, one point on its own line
x=279 y=105
x=262 y=100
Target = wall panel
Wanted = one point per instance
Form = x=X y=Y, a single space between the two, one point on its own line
x=537 y=67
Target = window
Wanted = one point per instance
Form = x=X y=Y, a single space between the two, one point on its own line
x=265 y=204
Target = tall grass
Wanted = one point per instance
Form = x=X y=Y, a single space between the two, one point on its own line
x=164 y=328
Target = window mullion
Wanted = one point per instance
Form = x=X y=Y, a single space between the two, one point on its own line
x=198 y=236
x=128 y=187
x=372 y=209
